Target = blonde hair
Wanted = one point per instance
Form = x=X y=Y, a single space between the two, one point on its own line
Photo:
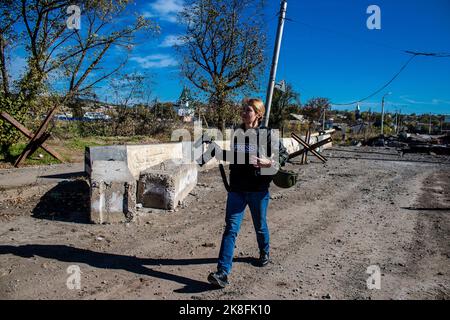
x=257 y=105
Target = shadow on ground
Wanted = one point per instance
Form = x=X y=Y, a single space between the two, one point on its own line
x=116 y=261
x=67 y=201
x=70 y=175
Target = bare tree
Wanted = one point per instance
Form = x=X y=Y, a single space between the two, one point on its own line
x=7 y=37
x=71 y=60
x=76 y=53
x=223 y=48
x=283 y=104
x=314 y=108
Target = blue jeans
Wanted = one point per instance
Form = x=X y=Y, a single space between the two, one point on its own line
x=236 y=203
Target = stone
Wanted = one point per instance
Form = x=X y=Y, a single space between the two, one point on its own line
x=166 y=185
x=113 y=192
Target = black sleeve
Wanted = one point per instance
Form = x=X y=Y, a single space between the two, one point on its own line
x=214 y=151
x=283 y=154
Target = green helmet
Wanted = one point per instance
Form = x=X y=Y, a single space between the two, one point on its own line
x=285 y=178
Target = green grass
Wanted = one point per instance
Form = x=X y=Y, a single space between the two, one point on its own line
x=82 y=143
x=16 y=149
x=69 y=149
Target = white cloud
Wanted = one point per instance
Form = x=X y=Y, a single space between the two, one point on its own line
x=412 y=101
x=155 y=61
x=440 y=101
x=171 y=40
x=432 y=102
x=165 y=10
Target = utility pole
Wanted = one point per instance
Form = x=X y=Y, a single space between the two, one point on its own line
x=323 y=123
x=396 y=121
x=429 y=128
x=276 y=54
x=382 y=113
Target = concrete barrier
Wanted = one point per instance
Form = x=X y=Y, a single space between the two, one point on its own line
x=115 y=170
x=167 y=184
x=136 y=157
x=113 y=192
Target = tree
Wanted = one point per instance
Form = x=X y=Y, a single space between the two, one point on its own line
x=314 y=107
x=283 y=103
x=129 y=89
x=7 y=37
x=223 y=49
x=60 y=60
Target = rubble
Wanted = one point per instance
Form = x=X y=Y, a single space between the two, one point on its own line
x=414 y=143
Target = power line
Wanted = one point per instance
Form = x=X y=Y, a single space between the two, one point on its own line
x=414 y=54
x=383 y=87
x=409 y=52
x=428 y=54
x=346 y=35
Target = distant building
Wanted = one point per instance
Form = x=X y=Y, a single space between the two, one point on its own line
x=329 y=124
x=183 y=107
x=65 y=116
x=89 y=116
x=359 y=128
x=298 y=117
x=358 y=113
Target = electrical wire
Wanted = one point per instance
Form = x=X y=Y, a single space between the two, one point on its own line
x=380 y=89
x=409 y=52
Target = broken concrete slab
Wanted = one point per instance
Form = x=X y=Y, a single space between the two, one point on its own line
x=137 y=157
x=113 y=192
x=104 y=153
x=166 y=185
x=142 y=157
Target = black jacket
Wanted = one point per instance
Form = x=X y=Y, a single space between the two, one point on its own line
x=244 y=177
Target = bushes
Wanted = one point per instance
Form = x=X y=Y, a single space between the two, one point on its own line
x=8 y=134
x=125 y=122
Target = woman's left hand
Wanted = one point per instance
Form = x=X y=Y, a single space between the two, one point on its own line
x=261 y=162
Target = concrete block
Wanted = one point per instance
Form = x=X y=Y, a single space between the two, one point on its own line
x=141 y=157
x=137 y=157
x=113 y=192
x=291 y=145
x=164 y=186
x=106 y=153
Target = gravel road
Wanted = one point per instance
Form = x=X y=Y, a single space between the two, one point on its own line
x=364 y=207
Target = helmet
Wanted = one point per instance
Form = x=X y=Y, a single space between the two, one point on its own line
x=285 y=178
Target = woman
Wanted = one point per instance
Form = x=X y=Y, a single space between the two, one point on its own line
x=247 y=187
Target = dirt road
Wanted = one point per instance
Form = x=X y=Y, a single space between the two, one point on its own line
x=365 y=207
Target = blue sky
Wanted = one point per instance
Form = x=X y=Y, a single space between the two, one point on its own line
x=327 y=51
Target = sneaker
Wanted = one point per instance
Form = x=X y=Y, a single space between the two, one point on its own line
x=218 y=278
x=263 y=259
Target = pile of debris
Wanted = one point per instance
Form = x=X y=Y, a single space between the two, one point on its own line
x=414 y=143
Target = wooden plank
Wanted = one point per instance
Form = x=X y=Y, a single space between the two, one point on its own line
x=305 y=155
x=31 y=144
x=300 y=140
x=302 y=160
x=314 y=146
x=44 y=124
x=29 y=135
x=16 y=124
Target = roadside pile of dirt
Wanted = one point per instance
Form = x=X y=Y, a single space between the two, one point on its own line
x=413 y=143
